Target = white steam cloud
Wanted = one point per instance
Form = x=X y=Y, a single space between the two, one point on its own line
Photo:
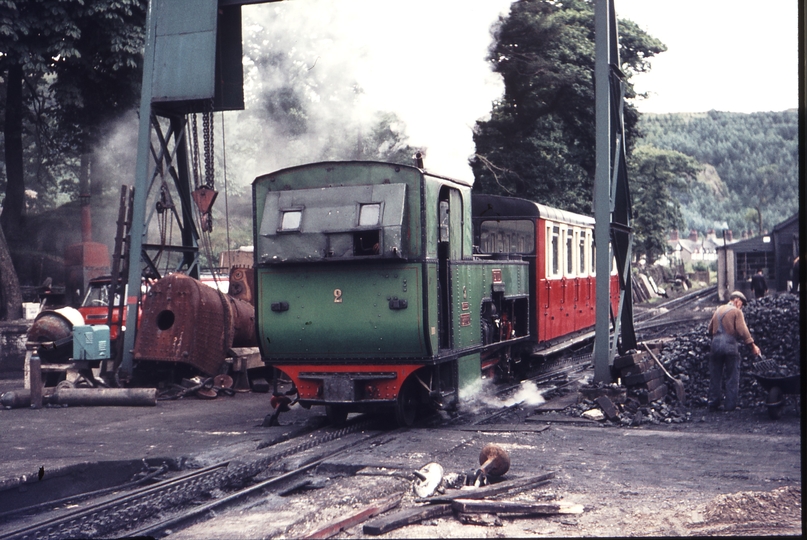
x=424 y=61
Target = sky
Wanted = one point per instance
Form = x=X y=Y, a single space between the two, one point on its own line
x=425 y=60
x=726 y=55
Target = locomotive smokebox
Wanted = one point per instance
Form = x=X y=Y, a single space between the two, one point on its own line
x=185 y=321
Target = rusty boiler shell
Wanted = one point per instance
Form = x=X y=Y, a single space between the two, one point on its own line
x=186 y=321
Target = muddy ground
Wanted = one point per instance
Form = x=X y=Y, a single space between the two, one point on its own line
x=719 y=473
x=735 y=473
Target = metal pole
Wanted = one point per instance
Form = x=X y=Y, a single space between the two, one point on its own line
x=140 y=195
x=35 y=378
x=602 y=192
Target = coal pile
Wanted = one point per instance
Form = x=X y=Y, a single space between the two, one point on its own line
x=775 y=326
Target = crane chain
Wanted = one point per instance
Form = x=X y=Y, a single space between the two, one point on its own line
x=207 y=133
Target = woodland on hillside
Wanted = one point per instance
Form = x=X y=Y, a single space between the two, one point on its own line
x=755 y=158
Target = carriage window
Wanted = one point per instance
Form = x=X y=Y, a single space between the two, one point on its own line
x=291 y=220
x=569 y=251
x=369 y=214
x=582 y=252
x=507 y=236
x=593 y=259
x=554 y=250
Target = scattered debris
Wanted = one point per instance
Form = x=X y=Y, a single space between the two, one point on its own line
x=515 y=507
x=304 y=485
x=355 y=518
x=516 y=484
x=494 y=461
x=444 y=504
x=405 y=517
x=607 y=407
x=427 y=480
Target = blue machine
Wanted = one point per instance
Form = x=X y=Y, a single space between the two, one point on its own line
x=91 y=342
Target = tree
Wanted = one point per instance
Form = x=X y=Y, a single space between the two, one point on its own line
x=655 y=175
x=58 y=56
x=539 y=142
x=755 y=155
x=102 y=81
x=34 y=34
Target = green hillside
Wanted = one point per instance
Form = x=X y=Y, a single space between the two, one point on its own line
x=750 y=163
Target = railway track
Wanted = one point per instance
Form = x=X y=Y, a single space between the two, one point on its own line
x=171 y=504
x=667 y=308
x=563 y=368
x=120 y=513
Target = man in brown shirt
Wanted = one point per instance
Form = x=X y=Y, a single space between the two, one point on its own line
x=728 y=330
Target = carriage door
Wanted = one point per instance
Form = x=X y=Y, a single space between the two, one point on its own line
x=449 y=248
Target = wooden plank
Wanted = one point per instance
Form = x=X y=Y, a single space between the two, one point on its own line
x=607 y=407
x=495 y=428
x=639 y=378
x=561 y=418
x=351 y=520
x=641 y=367
x=510 y=507
x=492 y=489
x=405 y=517
x=628 y=360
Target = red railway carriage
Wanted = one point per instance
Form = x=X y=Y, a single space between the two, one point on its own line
x=559 y=246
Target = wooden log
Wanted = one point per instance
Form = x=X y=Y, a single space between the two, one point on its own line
x=492 y=489
x=469 y=506
x=405 y=517
x=351 y=520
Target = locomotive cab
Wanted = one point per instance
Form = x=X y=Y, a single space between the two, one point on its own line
x=367 y=290
x=340 y=223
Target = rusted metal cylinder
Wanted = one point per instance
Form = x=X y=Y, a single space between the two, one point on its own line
x=105 y=397
x=243 y=322
x=185 y=321
x=15 y=399
x=52 y=331
x=242 y=284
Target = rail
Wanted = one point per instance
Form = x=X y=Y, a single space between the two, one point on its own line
x=102 y=518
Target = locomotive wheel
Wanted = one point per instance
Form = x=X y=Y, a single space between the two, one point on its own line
x=337 y=414
x=406 y=406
